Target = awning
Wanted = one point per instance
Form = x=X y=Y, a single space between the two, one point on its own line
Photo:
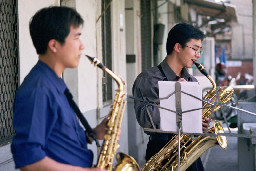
x=214 y=9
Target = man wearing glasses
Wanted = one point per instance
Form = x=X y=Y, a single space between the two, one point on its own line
x=183 y=46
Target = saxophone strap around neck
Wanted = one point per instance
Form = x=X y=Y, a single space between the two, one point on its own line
x=88 y=128
x=162 y=72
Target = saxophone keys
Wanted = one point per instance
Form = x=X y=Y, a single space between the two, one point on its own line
x=107 y=137
x=185 y=156
x=117 y=146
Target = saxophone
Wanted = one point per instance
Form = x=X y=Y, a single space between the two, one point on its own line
x=110 y=145
x=167 y=157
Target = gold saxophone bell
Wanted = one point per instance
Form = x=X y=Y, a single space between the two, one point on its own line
x=126 y=163
x=222 y=140
x=110 y=145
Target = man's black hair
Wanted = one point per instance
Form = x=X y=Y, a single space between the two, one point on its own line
x=52 y=23
x=182 y=33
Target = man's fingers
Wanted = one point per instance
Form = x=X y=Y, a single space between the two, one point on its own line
x=181 y=80
x=205 y=124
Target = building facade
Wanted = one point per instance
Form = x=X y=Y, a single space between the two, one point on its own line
x=128 y=36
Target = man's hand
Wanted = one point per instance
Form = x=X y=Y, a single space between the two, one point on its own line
x=205 y=124
x=101 y=129
x=182 y=79
x=96 y=169
x=48 y=164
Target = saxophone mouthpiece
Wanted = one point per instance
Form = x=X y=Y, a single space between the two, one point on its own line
x=90 y=58
x=201 y=68
x=196 y=64
x=95 y=61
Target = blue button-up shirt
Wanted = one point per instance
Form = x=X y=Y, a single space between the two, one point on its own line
x=45 y=123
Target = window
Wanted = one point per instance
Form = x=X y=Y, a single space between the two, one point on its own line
x=9 y=79
x=106 y=50
x=146 y=35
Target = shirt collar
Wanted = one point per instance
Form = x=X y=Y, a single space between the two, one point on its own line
x=57 y=82
x=171 y=75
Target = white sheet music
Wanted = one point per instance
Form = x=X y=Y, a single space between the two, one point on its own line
x=191 y=121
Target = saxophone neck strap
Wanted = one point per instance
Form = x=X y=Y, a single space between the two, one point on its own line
x=89 y=132
x=162 y=72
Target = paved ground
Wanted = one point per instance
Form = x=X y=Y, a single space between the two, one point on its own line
x=222 y=160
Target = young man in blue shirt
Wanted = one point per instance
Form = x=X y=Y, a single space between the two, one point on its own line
x=48 y=134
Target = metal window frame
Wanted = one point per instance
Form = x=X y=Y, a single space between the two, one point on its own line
x=106 y=52
x=9 y=66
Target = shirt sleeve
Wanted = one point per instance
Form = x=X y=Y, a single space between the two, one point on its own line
x=146 y=101
x=32 y=122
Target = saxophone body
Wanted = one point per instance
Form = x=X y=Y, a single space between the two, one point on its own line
x=110 y=145
x=191 y=149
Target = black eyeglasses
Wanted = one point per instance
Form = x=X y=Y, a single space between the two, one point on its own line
x=197 y=52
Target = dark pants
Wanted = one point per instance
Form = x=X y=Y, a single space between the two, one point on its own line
x=155 y=145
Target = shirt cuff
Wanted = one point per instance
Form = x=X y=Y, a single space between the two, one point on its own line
x=26 y=156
